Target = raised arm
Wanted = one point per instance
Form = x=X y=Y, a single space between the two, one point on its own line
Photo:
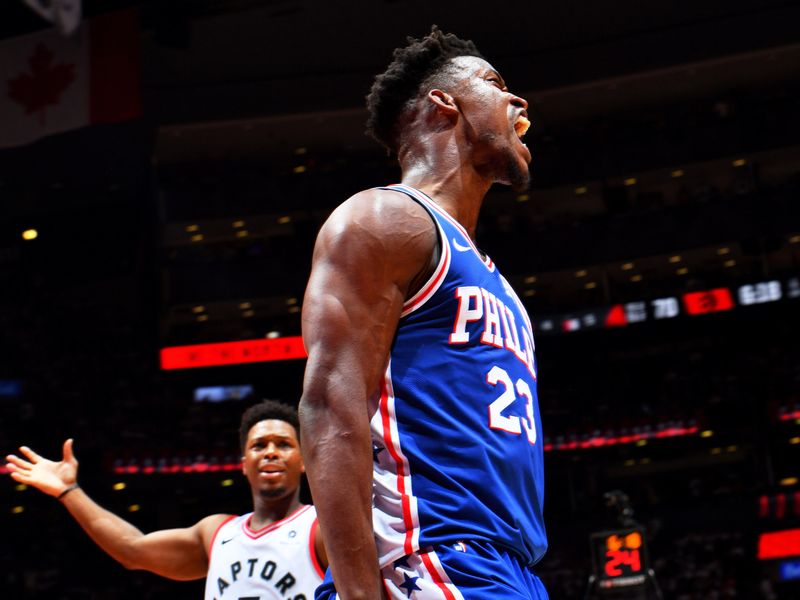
x=371 y=254
x=175 y=553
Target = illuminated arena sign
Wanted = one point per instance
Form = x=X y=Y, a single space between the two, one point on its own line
x=232 y=353
x=779 y=544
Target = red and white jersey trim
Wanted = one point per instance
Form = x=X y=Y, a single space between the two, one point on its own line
x=424 y=568
x=435 y=280
x=439 y=576
x=254 y=535
x=440 y=211
x=422 y=296
x=394 y=514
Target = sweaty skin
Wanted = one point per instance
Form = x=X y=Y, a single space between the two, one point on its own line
x=373 y=253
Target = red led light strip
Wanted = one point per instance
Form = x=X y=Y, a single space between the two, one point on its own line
x=790 y=416
x=601 y=441
x=593 y=442
x=135 y=468
x=232 y=353
x=171 y=469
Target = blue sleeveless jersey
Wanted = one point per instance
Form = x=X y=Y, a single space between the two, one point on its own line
x=456 y=432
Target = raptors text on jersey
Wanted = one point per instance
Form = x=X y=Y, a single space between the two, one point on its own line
x=275 y=562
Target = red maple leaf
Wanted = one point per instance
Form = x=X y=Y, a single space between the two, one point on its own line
x=43 y=85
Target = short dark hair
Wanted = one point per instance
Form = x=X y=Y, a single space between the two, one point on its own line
x=266 y=410
x=411 y=67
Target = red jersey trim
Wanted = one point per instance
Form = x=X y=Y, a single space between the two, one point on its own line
x=312 y=549
x=422 y=296
x=436 y=576
x=254 y=535
x=442 y=267
x=400 y=461
x=421 y=196
x=216 y=533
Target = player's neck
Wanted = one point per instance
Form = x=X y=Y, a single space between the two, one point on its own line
x=458 y=190
x=270 y=510
x=442 y=163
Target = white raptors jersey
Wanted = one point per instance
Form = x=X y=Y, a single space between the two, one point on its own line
x=277 y=562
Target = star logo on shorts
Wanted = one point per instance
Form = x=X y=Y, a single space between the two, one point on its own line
x=410 y=584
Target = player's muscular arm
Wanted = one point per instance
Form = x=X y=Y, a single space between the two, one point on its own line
x=174 y=553
x=180 y=554
x=369 y=257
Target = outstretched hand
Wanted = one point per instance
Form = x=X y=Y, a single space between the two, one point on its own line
x=45 y=475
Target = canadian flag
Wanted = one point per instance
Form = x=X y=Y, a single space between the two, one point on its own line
x=50 y=84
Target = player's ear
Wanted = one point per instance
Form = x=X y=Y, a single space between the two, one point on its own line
x=442 y=101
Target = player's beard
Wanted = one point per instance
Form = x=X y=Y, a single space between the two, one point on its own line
x=273 y=492
x=518 y=177
x=506 y=164
x=510 y=170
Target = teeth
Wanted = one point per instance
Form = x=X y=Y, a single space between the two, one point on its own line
x=521 y=126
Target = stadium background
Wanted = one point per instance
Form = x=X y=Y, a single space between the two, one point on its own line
x=658 y=252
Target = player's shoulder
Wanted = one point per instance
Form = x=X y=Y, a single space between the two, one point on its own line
x=382 y=214
x=380 y=209
x=208 y=527
x=217 y=519
x=387 y=197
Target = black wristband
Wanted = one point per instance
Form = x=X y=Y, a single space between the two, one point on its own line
x=74 y=486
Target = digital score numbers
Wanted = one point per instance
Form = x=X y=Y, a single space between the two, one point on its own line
x=669 y=307
x=620 y=558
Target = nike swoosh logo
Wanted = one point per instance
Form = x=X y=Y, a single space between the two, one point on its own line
x=226 y=541
x=460 y=247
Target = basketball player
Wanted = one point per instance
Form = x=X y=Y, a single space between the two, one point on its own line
x=273 y=552
x=420 y=418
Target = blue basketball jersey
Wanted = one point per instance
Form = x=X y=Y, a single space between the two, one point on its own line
x=456 y=431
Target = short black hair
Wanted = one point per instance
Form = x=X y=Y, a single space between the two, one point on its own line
x=266 y=410
x=400 y=83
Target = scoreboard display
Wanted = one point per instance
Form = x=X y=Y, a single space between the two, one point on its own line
x=669 y=307
x=619 y=558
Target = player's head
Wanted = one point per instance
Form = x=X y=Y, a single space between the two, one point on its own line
x=441 y=83
x=422 y=64
x=264 y=411
x=270 y=443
